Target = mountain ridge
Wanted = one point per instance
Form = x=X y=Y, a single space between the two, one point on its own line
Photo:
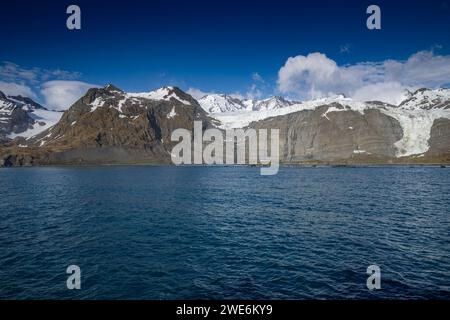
x=110 y=125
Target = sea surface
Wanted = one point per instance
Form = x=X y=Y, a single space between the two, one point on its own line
x=144 y=232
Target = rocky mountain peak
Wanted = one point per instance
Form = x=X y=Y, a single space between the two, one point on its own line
x=178 y=93
x=112 y=88
x=217 y=103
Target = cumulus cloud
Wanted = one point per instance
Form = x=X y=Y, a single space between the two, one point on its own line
x=16 y=89
x=61 y=94
x=316 y=75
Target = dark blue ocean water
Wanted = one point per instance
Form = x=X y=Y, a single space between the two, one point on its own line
x=224 y=232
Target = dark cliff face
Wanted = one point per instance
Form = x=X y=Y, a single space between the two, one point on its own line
x=440 y=138
x=14 y=118
x=19 y=122
x=317 y=135
x=107 y=126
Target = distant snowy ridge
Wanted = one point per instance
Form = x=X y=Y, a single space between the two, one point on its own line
x=220 y=103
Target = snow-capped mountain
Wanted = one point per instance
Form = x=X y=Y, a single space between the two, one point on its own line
x=112 y=97
x=422 y=99
x=417 y=117
x=21 y=116
x=222 y=103
x=428 y=99
x=218 y=103
x=164 y=93
x=272 y=103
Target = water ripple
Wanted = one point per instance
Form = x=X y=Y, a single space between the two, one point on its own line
x=224 y=233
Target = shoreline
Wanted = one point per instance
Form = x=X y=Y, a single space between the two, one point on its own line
x=442 y=165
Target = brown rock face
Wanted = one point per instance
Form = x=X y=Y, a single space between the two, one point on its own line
x=317 y=135
x=440 y=138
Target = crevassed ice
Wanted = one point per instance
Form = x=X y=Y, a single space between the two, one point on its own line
x=416 y=126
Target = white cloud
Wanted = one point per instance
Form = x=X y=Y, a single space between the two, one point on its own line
x=254 y=92
x=311 y=73
x=315 y=76
x=421 y=69
x=393 y=92
x=237 y=95
x=15 y=89
x=197 y=93
x=61 y=94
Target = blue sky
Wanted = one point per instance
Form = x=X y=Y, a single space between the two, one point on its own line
x=214 y=46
